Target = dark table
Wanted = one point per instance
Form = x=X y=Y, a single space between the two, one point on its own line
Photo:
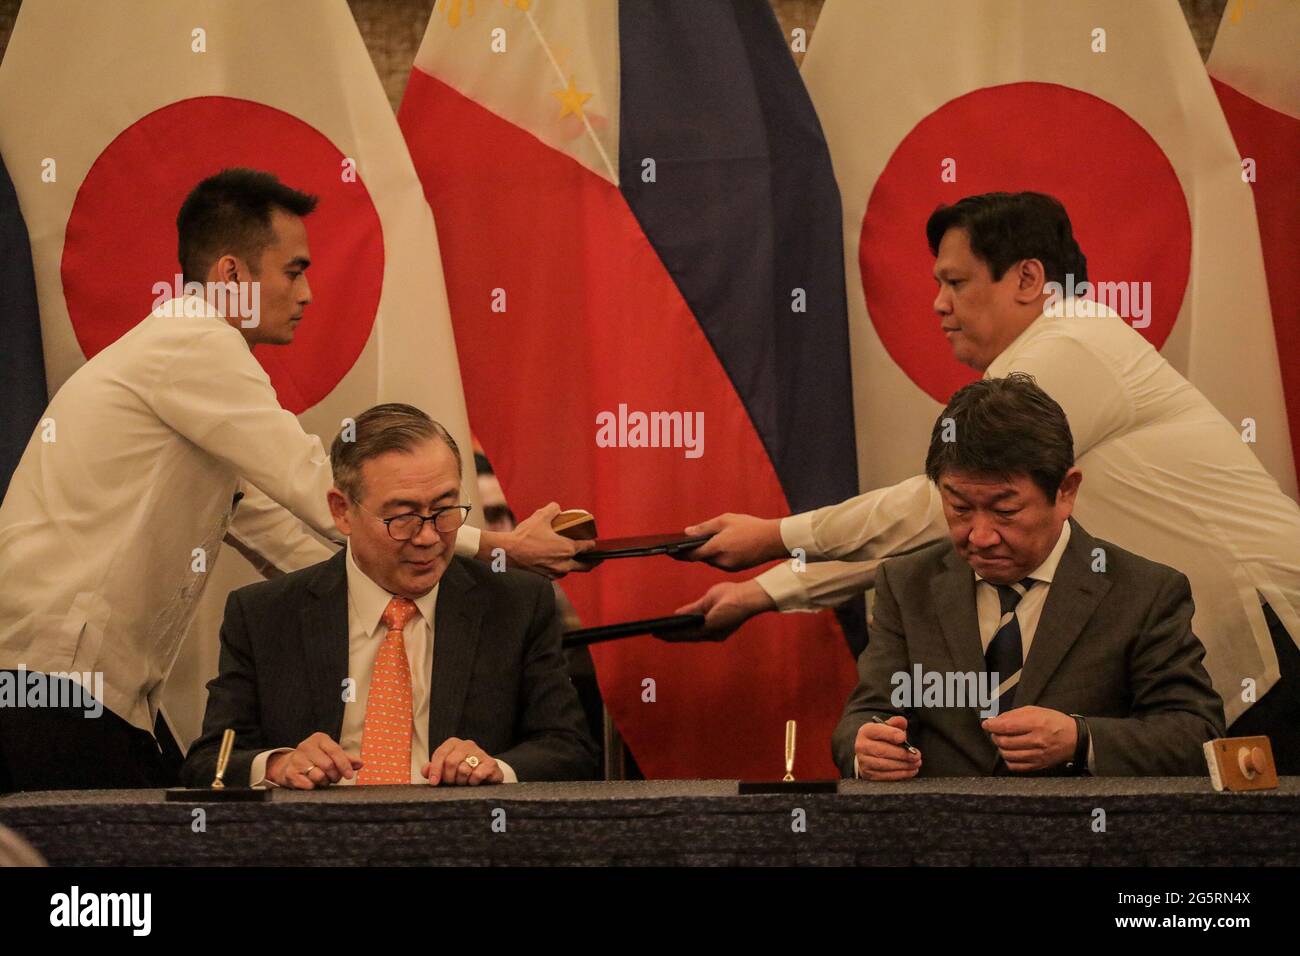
x=954 y=821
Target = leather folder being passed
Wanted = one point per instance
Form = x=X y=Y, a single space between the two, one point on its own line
x=612 y=632
x=643 y=546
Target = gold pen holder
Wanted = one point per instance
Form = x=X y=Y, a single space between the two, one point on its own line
x=218 y=792
x=788 y=784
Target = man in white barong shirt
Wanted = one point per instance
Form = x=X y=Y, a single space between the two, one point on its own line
x=1168 y=476
x=146 y=458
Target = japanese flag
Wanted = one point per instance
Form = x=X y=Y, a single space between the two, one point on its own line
x=110 y=112
x=1105 y=105
x=1253 y=68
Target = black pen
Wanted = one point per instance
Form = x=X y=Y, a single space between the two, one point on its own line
x=907 y=744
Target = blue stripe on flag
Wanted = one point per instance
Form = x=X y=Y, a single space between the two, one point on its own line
x=744 y=211
x=23 y=395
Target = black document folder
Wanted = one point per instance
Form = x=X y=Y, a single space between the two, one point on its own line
x=612 y=632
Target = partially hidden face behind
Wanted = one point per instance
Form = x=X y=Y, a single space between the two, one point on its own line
x=1004 y=526
x=393 y=483
x=496 y=513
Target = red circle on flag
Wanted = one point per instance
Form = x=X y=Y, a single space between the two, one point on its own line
x=1124 y=199
x=121 y=235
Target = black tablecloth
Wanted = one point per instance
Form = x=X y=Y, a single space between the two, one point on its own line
x=955 y=821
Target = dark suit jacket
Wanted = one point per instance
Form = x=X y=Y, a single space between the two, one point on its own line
x=1115 y=647
x=499 y=677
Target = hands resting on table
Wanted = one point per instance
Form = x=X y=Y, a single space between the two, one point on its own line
x=1028 y=738
x=319 y=761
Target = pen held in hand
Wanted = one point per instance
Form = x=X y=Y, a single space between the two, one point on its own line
x=907 y=744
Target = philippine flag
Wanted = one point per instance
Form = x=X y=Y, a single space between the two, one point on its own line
x=641 y=237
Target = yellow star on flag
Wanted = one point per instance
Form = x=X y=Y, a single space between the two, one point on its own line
x=571 y=99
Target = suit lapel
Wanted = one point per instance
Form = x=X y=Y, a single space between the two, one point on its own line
x=323 y=632
x=953 y=591
x=1073 y=598
x=457 y=621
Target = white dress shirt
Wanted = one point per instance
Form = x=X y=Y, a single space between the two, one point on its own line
x=1164 y=475
x=366 y=634
x=988 y=606
x=107 y=531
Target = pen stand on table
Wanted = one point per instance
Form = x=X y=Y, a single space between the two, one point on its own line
x=788 y=784
x=218 y=792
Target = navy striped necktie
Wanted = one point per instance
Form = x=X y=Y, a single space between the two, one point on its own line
x=1005 y=656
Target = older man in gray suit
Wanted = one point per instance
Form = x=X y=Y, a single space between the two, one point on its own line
x=1023 y=644
x=394 y=661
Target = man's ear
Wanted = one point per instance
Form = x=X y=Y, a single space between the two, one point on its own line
x=1069 y=490
x=225 y=269
x=1030 y=279
x=338 y=503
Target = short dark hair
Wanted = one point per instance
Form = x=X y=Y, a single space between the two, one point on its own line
x=230 y=213
x=382 y=428
x=1006 y=228
x=1004 y=427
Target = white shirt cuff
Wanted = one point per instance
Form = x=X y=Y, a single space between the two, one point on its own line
x=468 y=541
x=797 y=532
x=507 y=772
x=783 y=586
x=257 y=772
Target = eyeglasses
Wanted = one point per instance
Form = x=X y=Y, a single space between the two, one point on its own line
x=404 y=527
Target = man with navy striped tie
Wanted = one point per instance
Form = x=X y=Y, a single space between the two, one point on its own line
x=1023 y=644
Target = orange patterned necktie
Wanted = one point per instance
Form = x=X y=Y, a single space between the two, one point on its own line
x=386 y=734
